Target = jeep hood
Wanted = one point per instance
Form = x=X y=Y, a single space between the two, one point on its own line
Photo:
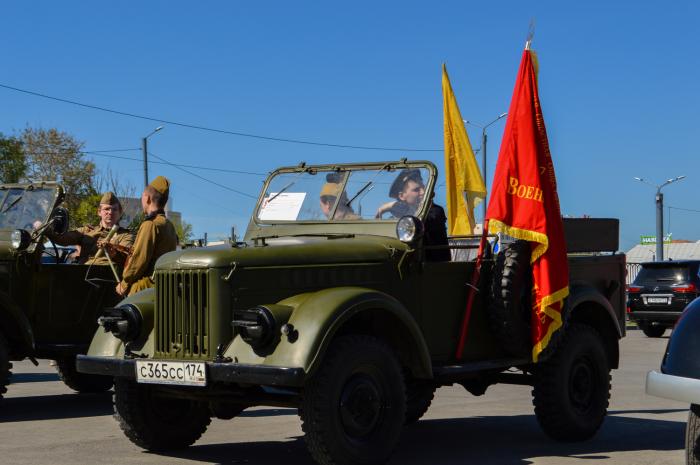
x=288 y=251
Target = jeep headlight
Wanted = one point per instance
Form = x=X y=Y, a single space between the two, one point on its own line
x=20 y=239
x=124 y=322
x=409 y=229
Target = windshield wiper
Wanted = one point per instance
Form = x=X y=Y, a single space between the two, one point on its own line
x=369 y=183
x=281 y=191
x=12 y=204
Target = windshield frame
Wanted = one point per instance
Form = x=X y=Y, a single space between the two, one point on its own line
x=53 y=187
x=395 y=166
x=338 y=227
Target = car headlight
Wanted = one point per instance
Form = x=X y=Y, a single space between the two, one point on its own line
x=409 y=229
x=20 y=239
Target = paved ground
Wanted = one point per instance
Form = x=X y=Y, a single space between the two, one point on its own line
x=42 y=422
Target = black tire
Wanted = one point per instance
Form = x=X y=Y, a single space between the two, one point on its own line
x=692 y=436
x=81 y=382
x=353 y=408
x=5 y=366
x=419 y=396
x=653 y=331
x=154 y=422
x=509 y=306
x=572 y=387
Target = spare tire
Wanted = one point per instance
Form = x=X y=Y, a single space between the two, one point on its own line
x=510 y=300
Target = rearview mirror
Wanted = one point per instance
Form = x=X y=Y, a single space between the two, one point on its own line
x=59 y=221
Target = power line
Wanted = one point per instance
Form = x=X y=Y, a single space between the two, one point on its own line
x=203 y=178
x=684 y=209
x=220 y=131
x=102 y=153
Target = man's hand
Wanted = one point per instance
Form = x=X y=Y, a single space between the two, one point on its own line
x=122 y=288
x=384 y=208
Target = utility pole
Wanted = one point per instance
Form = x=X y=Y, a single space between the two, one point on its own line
x=659 y=200
x=144 y=147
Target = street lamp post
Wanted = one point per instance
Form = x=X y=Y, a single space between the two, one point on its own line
x=659 y=199
x=484 y=139
x=144 y=146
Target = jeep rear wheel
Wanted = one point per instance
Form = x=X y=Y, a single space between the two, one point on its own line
x=5 y=366
x=353 y=409
x=81 y=382
x=155 y=422
x=572 y=387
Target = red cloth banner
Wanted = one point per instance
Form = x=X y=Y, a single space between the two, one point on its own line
x=524 y=204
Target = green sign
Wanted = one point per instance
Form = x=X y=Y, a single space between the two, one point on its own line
x=650 y=240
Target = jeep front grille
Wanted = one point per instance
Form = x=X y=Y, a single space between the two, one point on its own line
x=182 y=321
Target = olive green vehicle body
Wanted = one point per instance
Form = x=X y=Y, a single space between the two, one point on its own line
x=323 y=280
x=47 y=310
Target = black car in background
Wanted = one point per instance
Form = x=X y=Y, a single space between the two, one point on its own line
x=660 y=292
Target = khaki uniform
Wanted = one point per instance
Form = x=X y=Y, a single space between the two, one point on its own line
x=156 y=237
x=87 y=236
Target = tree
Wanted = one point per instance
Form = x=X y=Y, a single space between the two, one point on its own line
x=184 y=231
x=53 y=155
x=12 y=161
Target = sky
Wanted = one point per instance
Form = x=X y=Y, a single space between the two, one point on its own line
x=618 y=84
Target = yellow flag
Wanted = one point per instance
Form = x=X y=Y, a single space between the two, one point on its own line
x=465 y=186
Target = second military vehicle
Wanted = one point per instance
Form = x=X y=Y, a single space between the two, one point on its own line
x=345 y=301
x=47 y=308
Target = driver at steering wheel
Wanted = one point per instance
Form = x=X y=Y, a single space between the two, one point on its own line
x=90 y=237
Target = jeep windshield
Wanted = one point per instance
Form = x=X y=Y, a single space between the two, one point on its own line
x=344 y=193
x=25 y=207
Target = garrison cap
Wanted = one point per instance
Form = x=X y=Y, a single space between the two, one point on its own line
x=161 y=184
x=411 y=174
x=333 y=186
x=108 y=198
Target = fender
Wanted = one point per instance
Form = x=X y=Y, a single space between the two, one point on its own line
x=104 y=344
x=318 y=316
x=582 y=293
x=15 y=325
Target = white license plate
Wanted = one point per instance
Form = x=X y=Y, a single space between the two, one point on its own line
x=182 y=373
x=657 y=300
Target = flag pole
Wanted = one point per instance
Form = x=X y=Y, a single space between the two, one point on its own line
x=472 y=291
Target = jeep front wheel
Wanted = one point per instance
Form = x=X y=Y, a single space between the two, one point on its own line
x=572 y=387
x=419 y=396
x=5 y=366
x=81 y=382
x=353 y=409
x=155 y=422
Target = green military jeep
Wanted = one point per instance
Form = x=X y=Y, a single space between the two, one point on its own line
x=352 y=317
x=47 y=308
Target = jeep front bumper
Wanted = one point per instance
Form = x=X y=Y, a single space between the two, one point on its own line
x=226 y=373
x=673 y=387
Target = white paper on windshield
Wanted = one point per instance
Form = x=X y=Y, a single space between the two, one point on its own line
x=284 y=207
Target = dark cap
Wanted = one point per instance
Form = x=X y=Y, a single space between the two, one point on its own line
x=410 y=174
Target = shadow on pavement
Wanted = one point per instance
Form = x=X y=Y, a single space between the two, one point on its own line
x=18 y=378
x=55 y=407
x=498 y=439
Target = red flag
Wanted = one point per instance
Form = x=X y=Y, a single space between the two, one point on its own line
x=524 y=203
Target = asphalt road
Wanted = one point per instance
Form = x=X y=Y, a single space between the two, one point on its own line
x=43 y=422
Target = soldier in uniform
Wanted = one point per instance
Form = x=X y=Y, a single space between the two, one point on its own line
x=156 y=236
x=90 y=238
x=329 y=194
